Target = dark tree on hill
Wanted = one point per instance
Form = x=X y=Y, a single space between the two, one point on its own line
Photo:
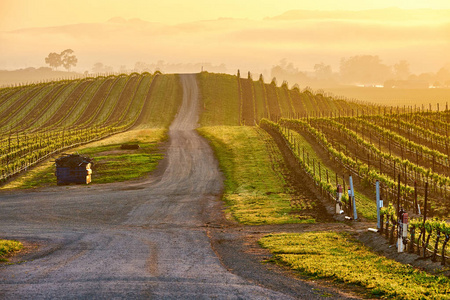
x=65 y=59
x=53 y=60
x=68 y=59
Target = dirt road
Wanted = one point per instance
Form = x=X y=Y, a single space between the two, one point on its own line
x=130 y=241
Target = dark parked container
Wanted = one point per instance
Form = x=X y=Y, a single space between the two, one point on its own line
x=73 y=168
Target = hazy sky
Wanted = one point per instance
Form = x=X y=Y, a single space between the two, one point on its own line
x=238 y=33
x=15 y=14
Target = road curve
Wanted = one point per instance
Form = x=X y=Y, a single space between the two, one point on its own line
x=126 y=241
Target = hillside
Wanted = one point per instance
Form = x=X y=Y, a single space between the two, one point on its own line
x=113 y=101
x=41 y=119
x=233 y=100
x=281 y=153
x=59 y=114
x=374 y=142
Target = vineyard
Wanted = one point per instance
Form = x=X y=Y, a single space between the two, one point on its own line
x=403 y=148
x=325 y=140
x=283 y=151
x=371 y=142
x=232 y=100
x=390 y=150
x=40 y=120
x=419 y=186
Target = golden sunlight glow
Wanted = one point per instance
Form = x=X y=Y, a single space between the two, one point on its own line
x=251 y=34
x=15 y=14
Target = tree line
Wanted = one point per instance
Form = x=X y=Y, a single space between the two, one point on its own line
x=366 y=70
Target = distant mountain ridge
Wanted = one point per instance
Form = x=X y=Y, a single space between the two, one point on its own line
x=388 y=14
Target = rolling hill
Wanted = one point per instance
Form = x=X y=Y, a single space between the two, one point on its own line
x=371 y=141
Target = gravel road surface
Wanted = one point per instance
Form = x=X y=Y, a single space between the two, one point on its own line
x=142 y=240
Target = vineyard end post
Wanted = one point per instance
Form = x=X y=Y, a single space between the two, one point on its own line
x=355 y=214
x=378 y=204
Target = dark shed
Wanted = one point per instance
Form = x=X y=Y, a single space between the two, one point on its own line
x=73 y=168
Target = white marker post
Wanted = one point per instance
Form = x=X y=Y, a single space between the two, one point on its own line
x=378 y=204
x=355 y=215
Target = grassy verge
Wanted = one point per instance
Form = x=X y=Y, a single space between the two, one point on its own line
x=255 y=191
x=111 y=164
x=341 y=258
x=7 y=247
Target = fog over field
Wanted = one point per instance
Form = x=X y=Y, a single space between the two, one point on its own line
x=304 y=37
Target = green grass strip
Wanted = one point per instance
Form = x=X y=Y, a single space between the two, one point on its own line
x=255 y=190
x=341 y=258
x=122 y=167
x=7 y=247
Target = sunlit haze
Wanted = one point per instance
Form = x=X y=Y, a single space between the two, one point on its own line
x=251 y=35
x=15 y=14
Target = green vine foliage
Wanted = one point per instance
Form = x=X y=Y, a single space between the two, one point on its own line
x=426 y=172
x=388 y=211
x=323 y=184
x=361 y=167
x=395 y=120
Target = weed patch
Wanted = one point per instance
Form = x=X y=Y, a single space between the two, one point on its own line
x=7 y=247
